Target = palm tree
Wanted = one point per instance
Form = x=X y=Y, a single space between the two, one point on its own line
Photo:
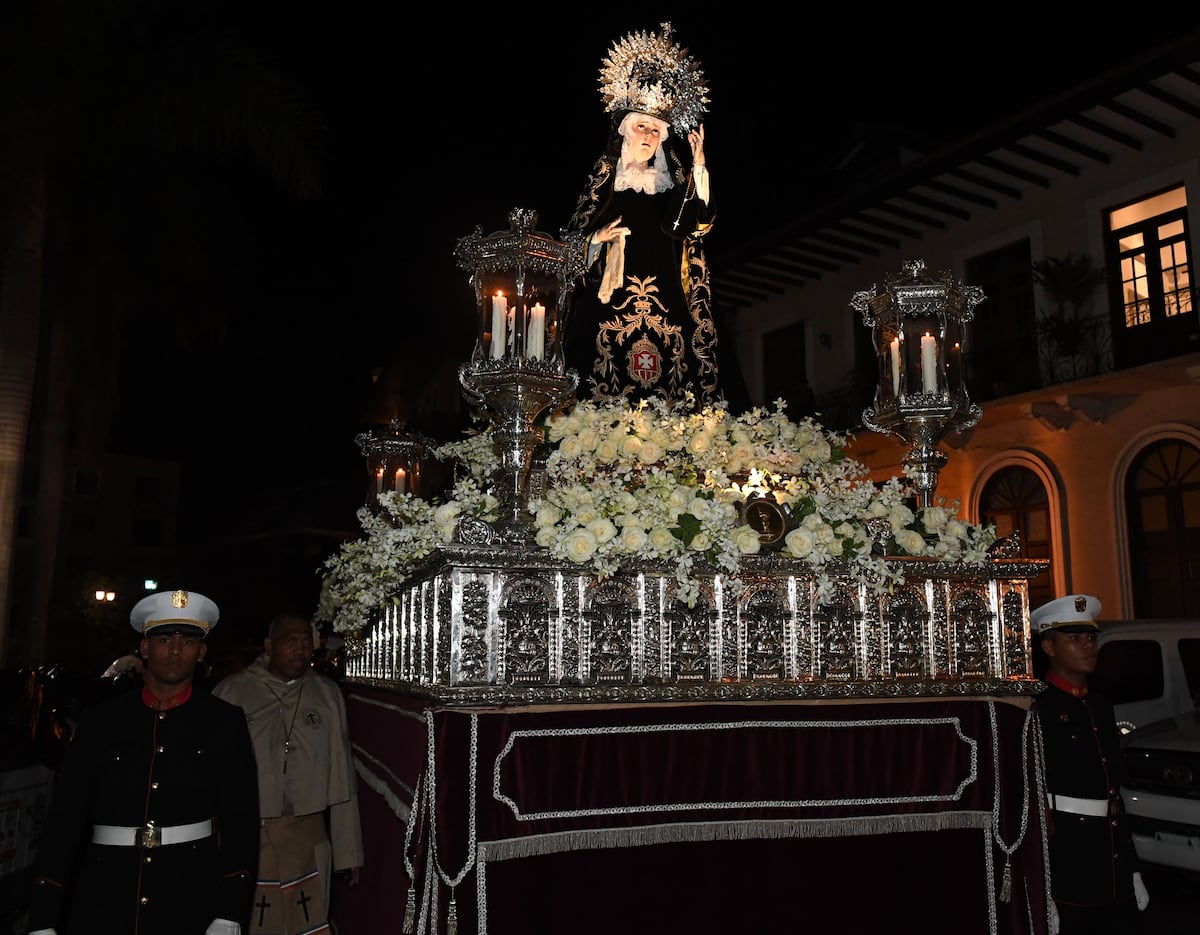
x=94 y=93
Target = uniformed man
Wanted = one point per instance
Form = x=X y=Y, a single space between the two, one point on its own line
x=1094 y=875
x=153 y=825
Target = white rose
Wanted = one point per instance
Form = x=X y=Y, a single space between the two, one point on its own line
x=900 y=516
x=799 y=542
x=579 y=545
x=570 y=447
x=447 y=513
x=934 y=518
x=747 y=540
x=545 y=536
x=607 y=451
x=547 y=515
x=700 y=443
x=911 y=541
x=589 y=438
x=602 y=529
x=663 y=540
x=812 y=521
x=680 y=497
x=651 y=451
x=701 y=542
x=633 y=538
x=631 y=447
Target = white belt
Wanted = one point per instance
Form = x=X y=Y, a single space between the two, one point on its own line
x=1095 y=808
x=151 y=835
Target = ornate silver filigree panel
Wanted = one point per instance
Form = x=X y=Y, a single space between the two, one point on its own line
x=489 y=625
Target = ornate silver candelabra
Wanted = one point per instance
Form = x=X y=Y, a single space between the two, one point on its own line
x=396 y=460
x=522 y=280
x=917 y=324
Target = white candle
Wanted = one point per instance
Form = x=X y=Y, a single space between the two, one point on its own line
x=895 y=366
x=400 y=481
x=499 y=317
x=929 y=380
x=535 y=340
x=379 y=482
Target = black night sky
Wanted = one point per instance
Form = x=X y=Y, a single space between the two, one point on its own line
x=444 y=121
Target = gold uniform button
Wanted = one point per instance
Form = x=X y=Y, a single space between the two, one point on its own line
x=145 y=900
x=154 y=785
x=160 y=749
x=147 y=859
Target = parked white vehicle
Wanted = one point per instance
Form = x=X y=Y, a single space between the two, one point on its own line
x=1150 y=670
x=1161 y=788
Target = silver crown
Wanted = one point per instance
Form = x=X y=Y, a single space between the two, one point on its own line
x=652 y=74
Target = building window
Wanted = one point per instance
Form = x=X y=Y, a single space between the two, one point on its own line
x=1162 y=496
x=1150 y=278
x=998 y=351
x=87 y=483
x=1016 y=501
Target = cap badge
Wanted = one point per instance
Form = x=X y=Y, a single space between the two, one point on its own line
x=179 y=599
x=1080 y=603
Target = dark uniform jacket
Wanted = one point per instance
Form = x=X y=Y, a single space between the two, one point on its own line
x=129 y=764
x=1092 y=859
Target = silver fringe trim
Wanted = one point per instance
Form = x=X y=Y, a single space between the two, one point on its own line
x=693 y=832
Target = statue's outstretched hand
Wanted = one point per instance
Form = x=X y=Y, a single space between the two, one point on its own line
x=610 y=232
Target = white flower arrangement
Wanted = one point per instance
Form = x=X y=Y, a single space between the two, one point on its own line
x=367 y=572
x=662 y=482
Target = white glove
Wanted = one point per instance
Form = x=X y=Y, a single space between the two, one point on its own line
x=1139 y=892
x=1054 y=923
x=223 y=927
x=43 y=932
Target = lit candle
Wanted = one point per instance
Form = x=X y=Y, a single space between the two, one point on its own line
x=400 y=480
x=379 y=482
x=499 y=316
x=895 y=366
x=929 y=380
x=535 y=340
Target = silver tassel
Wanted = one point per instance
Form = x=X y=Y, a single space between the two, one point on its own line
x=1006 y=883
x=410 y=911
x=452 y=918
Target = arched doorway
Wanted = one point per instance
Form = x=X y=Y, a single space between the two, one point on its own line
x=1015 y=499
x=1162 y=502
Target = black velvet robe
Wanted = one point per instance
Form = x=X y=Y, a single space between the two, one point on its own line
x=656 y=336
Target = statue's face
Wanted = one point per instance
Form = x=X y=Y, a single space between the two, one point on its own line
x=643 y=134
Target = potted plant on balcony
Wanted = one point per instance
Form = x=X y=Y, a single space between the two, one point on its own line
x=1068 y=282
